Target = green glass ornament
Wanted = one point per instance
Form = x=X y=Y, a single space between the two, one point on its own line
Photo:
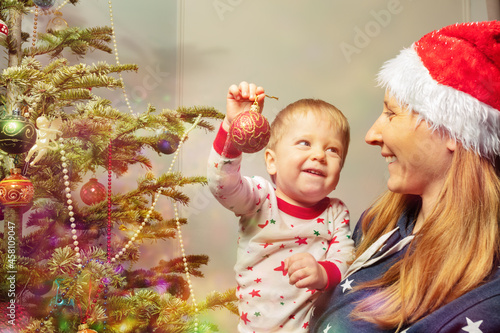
x=17 y=134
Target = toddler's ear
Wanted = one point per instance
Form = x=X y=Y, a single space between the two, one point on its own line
x=270 y=157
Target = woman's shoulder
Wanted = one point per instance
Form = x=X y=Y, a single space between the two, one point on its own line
x=476 y=311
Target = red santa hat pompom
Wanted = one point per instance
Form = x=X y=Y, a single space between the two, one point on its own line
x=451 y=78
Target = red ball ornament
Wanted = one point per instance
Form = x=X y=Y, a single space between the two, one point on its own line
x=250 y=132
x=4 y=31
x=93 y=192
x=16 y=190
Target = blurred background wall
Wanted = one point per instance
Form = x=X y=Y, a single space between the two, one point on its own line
x=190 y=51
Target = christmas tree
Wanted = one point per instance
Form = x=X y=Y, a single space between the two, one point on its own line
x=74 y=270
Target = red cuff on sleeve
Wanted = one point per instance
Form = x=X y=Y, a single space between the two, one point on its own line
x=220 y=142
x=333 y=273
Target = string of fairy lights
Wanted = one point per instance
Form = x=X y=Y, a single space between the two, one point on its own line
x=103 y=287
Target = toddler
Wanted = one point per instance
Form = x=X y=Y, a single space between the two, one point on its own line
x=294 y=241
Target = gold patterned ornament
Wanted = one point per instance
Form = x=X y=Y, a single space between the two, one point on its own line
x=250 y=130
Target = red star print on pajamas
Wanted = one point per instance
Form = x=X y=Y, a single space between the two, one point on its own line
x=281 y=268
x=301 y=241
x=244 y=317
x=255 y=293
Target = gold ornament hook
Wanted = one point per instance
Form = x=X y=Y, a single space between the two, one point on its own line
x=255 y=106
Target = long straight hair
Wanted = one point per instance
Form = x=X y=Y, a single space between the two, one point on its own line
x=454 y=252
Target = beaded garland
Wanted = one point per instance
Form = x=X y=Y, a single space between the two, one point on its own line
x=117 y=58
x=47 y=11
x=112 y=259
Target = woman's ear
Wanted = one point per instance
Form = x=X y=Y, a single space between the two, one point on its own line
x=270 y=157
x=451 y=144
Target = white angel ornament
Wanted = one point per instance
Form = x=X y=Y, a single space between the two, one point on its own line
x=47 y=132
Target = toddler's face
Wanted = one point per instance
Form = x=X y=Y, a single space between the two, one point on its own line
x=307 y=161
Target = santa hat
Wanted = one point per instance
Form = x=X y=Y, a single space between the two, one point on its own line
x=451 y=78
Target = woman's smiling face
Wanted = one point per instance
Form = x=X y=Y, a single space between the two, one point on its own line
x=418 y=157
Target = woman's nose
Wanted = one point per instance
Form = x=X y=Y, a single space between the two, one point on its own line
x=374 y=134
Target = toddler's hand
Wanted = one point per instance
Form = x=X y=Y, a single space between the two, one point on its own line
x=304 y=271
x=239 y=99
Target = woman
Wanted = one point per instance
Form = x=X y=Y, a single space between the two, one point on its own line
x=428 y=250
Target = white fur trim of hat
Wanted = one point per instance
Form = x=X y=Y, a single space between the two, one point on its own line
x=451 y=79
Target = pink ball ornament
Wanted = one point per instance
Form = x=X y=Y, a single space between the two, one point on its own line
x=93 y=192
x=250 y=132
x=4 y=31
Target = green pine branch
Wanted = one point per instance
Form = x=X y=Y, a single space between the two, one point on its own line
x=78 y=40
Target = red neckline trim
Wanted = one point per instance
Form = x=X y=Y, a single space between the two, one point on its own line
x=303 y=212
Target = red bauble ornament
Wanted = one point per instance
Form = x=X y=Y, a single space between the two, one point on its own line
x=4 y=31
x=16 y=190
x=250 y=131
x=93 y=192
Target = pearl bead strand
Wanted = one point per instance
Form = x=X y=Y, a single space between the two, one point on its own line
x=186 y=267
x=37 y=12
x=178 y=224
x=117 y=58
x=69 y=202
x=157 y=195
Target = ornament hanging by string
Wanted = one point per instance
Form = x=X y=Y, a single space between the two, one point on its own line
x=4 y=31
x=46 y=138
x=93 y=192
x=168 y=144
x=17 y=134
x=57 y=23
x=44 y=4
x=16 y=190
x=250 y=130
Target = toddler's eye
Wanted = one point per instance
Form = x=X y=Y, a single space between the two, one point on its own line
x=303 y=143
x=333 y=150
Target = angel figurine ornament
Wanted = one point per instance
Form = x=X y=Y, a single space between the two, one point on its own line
x=46 y=137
